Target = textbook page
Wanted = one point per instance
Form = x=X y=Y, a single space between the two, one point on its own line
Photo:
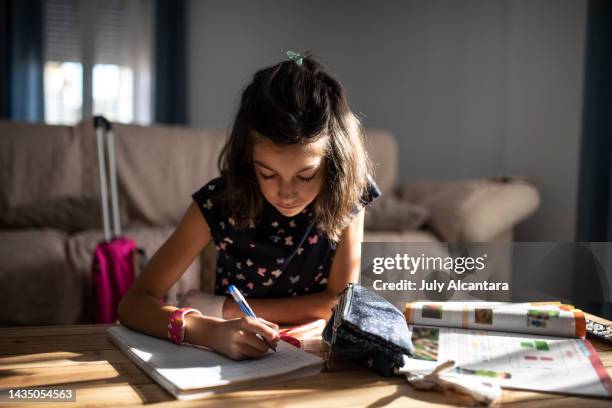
x=539 y=318
x=538 y=363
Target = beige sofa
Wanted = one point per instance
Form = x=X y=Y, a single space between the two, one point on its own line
x=45 y=272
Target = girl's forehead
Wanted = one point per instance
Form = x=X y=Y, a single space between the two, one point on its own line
x=264 y=147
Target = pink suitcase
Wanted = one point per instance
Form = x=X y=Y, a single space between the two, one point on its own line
x=116 y=258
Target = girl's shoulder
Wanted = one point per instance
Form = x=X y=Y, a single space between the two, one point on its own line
x=213 y=187
x=205 y=196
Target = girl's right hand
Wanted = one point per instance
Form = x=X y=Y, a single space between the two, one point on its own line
x=237 y=338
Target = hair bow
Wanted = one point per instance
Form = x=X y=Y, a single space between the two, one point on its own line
x=296 y=57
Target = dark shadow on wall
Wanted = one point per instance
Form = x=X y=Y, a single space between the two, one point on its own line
x=595 y=188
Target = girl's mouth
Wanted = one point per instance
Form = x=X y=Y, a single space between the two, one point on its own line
x=285 y=207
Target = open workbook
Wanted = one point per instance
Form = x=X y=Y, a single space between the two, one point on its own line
x=190 y=372
x=531 y=346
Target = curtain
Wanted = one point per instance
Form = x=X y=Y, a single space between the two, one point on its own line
x=595 y=181
x=170 y=71
x=21 y=64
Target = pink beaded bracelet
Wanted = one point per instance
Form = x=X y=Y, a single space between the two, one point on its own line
x=176 y=325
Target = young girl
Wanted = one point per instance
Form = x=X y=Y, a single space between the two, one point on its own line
x=286 y=217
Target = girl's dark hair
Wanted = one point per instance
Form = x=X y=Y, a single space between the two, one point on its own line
x=289 y=104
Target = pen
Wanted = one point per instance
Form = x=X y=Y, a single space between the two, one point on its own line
x=246 y=309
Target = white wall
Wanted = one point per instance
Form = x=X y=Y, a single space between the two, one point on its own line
x=544 y=109
x=470 y=88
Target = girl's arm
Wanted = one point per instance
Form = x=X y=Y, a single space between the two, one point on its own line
x=299 y=309
x=142 y=307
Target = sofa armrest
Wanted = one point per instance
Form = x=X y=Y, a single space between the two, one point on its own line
x=474 y=210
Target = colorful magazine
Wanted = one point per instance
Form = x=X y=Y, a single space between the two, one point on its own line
x=532 y=346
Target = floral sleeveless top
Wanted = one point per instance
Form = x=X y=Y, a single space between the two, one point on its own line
x=281 y=256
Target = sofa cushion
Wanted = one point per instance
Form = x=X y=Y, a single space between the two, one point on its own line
x=69 y=214
x=392 y=214
x=400 y=236
x=80 y=253
x=38 y=162
x=158 y=167
x=476 y=210
x=38 y=285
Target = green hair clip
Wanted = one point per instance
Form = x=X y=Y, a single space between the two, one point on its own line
x=296 y=57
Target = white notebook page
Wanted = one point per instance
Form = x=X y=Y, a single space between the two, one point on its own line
x=191 y=367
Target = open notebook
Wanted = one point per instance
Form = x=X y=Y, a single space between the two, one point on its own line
x=190 y=372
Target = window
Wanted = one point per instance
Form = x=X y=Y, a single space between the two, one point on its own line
x=63 y=71
x=98 y=60
x=63 y=87
x=112 y=92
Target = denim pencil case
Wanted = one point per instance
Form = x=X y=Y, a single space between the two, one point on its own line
x=368 y=329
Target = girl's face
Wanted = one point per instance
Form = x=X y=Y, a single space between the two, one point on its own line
x=289 y=177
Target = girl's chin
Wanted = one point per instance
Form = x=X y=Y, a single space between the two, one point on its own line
x=289 y=212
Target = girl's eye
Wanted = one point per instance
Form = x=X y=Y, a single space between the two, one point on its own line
x=304 y=179
x=307 y=179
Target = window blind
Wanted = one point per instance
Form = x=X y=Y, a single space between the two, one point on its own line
x=112 y=39
x=62 y=39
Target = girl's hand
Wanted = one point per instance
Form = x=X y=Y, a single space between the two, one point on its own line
x=230 y=309
x=237 y=338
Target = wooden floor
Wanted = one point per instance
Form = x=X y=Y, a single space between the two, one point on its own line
x=83 y=358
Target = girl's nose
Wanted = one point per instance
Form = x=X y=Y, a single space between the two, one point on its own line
x=286 y=191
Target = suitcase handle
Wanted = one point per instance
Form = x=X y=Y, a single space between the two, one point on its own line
x=103 y=126
x=101 y=122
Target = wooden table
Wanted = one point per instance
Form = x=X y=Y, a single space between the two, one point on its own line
x=81 y=357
